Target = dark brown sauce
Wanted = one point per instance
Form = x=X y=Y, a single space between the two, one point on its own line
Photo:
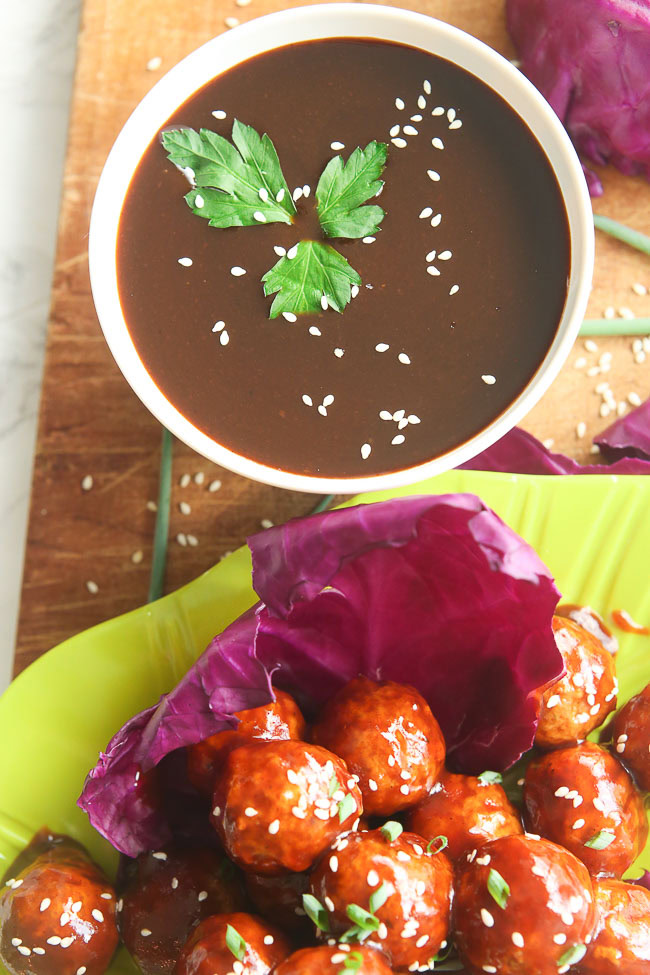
x=502 y=218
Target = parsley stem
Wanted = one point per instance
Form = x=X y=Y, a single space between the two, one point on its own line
x=161 y=531
x=618 y=326
x=615 y=229
x=323 y=504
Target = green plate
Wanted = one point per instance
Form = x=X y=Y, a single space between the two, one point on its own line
x=592 y=531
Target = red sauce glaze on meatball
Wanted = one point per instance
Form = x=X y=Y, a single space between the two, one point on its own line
x=631 y=737
x=414 y=889
x=621 y=945
x=581 y=700
x=333 y=958
x=168 y=893
x=279 y=804
x=545 y=907
x=278 y=720
x=467 y=811
x=389 y=738
x=258 y=947
x=57 y=914
x=591 y=621
x=583 y=799
x=280 y=900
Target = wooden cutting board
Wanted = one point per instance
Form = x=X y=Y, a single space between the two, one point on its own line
x=92 y=424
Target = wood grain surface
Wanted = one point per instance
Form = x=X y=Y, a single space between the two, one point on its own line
x=92 y=424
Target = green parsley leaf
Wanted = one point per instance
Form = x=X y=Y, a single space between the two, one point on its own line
x=235 y=943
x=379 y=897
x=572 y=955
x=316 y=271
x=315 y=912
x=490 y=778
x=236 y=186
x=391 y=830
x=343 y=187
x=601 y=840
x=444 y=843
x=347 y=806
x=352 y=963
x=498 y=888
x=362 y=919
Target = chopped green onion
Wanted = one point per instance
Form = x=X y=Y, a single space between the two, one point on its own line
x=498 y=888
x=161 y=530
x=490 y=778
x=615 y=326
x=333 y=786
x=601 y=840
x=615 y=229
x=379 y=897
x=323 y=504
x=315 y=912
x=347 y=806
x=353 y=962
x=362 y=919
x=391 y=830
x=235 y=943
x=572 y=955
x=444 y=843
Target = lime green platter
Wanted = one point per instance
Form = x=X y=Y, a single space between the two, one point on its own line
x=592 y=531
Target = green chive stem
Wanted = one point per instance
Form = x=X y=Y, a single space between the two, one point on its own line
x=615 y=326
x=323 y=504
x=634 y=238
x=161 y=531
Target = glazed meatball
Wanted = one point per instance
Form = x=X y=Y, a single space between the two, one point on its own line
x=466 y=810
x=333 y=958
x=631 y=737
x=520 y=905
x=589 y=620
x=280 y=900
x=389 y=738
x=168 y=892
x=581 y=700
x=57 y=913
x=391 y=875
x=583 y=799
x=279 y=804
x=621 y=945
x=280 y=719
x=219 y=942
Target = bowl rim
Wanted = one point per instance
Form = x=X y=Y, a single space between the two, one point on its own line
x=310 y=23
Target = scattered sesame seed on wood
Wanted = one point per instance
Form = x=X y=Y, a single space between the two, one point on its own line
x=92 y=587
x=214 y=486
x=231 y=22
x=87 y=482
x=154 y=63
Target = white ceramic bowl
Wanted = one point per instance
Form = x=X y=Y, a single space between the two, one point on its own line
x=312 y=23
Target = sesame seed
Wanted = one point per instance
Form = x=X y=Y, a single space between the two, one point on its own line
x=289 y=316
x=517 y=939
x=404 y=359
x=151 y=506
x=435 y=221
x=322 y=410
x=38 y=951
x=444 y=255
x=202 y=895
x=620 y=748
x=639 y=289
x=185 y=261
x=174 y=883
x=263 y=194
x=45 y=903
x=368 y=240
x=291 y=253
x=231 y=22
x=404 y=857
x=562 y=792
x=339 y=353
x=153 y=63
x=484 y=861
x=579 y=823
x=425 y=213
x=268 y=939
x=432 y=174
x=560 y=938
x=553 y=701
x=582 y=718
x=199 y=202
x=97 y=914
x=487 y=918
x=65 y=917
x=92 y=587
x=298 y=812
x=337 y=145
x=54 y=940
x=399 y=143
x=24 y=950
x=184 y=508
x=438 y=110
x=422 y=102
x=250 y=812
x=410 y=130
x=399 y=104
x=81 y=970
x=451 y=114
x=259 y=216
x=297 y=194
x=609 y=312
x=394 y=131
x=577 y=801
x=334 y=863
x=16 y=941
x=567 y=918
x=66 y=942
x=219 y=113
x=76 y=907
x=184 y=480
x=382 y=347
x=626 y=313
x=490 y=969
x=145 y=932
x=488 y=380
x=372 y=785
x=404 y=789
x=454 y=289
x=456 y=124
x=437 y=143
x=634 y=399
x=306 y=190
x=87 y=482
x=580 y=362
x=431 y=256
x=365 y=451
x=433 y=270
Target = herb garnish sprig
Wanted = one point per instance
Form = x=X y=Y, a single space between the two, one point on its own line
x=241 y=184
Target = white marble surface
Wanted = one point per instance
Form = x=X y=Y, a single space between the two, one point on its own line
x=37 y=55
